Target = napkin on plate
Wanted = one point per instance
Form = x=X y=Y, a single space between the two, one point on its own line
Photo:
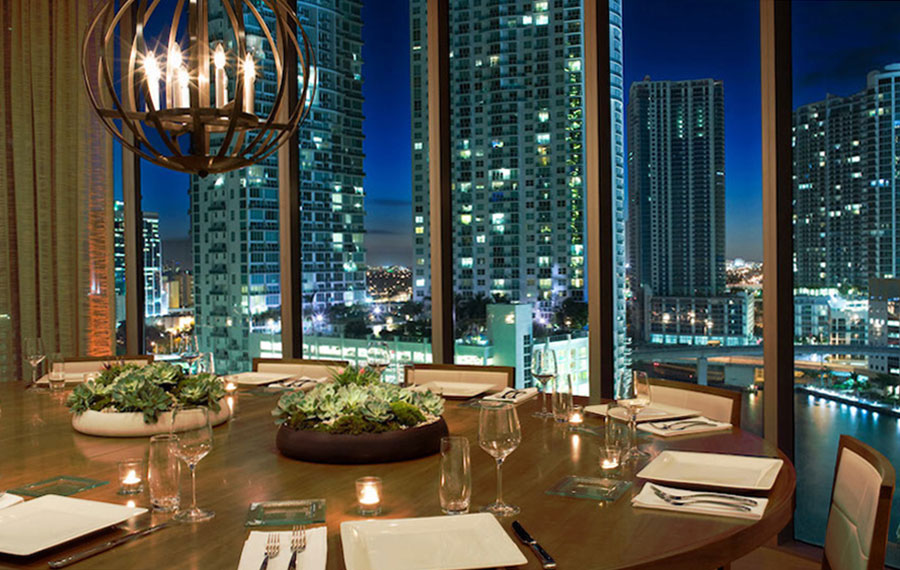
x=313 y=558
x=513 y=395
x=257 y=378
x=304 y=383
x=647 y=499
x=670 y=428
x=656 y=412
x=8 y=500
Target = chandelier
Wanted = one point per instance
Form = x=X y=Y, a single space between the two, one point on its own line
x=187 y=84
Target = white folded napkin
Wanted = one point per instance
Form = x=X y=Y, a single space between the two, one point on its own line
x=304 y=383
x=655 y=412
x=513 y=395
x=257 y=378
x=647 y=499
x=8 y=500
x=670 y=428
x=313 y=558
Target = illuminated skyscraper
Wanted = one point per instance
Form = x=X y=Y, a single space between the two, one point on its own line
x=155 y=298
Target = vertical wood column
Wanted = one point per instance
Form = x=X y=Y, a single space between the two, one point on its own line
x=441 y=215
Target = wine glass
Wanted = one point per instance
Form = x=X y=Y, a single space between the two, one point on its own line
x=637 y=397
x=378 y=356
x=193 y=444
x=33 y=350
x=543 y=369
x=190 y=350
x=499 y=435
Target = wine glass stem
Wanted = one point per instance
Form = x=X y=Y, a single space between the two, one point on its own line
x=193 y=486
x=33 y=374
x=544 y=398
x=632 y=424
x=499 y=482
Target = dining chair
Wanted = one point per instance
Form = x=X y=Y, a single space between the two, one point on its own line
x=717 y=404
x=857 y=528
x=499 y=377
x=86 y=364
x=300 y=366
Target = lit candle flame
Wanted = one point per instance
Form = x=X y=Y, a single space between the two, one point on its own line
x=609 y=463
x=131 y=478
x=369 y=495
x=153 y=75
x=219 y=57
x=249 y=79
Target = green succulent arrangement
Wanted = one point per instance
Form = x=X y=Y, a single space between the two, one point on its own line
x=356 y=402
x=150 y=390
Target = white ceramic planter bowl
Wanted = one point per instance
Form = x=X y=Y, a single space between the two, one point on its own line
x=131 y=424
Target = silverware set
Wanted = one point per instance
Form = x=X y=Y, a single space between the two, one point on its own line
x=680 y=425
x=273 y=547
x=743 y=504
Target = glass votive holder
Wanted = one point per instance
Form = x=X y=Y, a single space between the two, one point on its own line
x=610 y=458
x=576 y=415
x=368 y=495
x=131 y=476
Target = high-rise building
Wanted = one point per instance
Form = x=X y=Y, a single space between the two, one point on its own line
x=845 y=187
x=234 y=216
x=155 y=299
x=517 y=139
x=676 y=176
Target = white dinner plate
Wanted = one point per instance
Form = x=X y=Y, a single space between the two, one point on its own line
x=258 y=378
x=652 y=413
x=71 y=378
x=459 y=542
x=456 y=389
x=714 y=470
x=50 y=520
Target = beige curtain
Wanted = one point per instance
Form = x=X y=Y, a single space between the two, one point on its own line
x=56 y=188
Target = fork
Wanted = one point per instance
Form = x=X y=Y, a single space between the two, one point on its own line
x=298 y=544
x=689 y=502
x=743 y=500
x=273 y=545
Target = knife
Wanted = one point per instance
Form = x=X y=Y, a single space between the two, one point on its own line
x=547 y=561
x=87 y=553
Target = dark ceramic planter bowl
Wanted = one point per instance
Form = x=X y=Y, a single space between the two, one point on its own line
x=319 y=447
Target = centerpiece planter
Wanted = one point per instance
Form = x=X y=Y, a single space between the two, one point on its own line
x=130 y=401
x=356 y=419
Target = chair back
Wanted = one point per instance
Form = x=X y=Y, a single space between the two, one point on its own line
x=856 y=536
x=300 y=366
x=499 y=377
x=75 y=367
x=716 y=404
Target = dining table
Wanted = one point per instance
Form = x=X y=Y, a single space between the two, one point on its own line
x=37 y=442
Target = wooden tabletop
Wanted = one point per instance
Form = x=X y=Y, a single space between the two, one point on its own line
x=37 y=442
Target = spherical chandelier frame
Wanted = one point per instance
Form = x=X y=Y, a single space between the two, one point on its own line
x=196 y=101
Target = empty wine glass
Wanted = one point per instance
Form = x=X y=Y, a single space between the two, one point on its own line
x=637 y=397
x=190 y=350
x=194 y=443
x=543 y=369
x=499 y=435
x=378 y=356
x=33 y=350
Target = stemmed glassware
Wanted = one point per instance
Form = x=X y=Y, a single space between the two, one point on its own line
x=190 y=350
x=637 y=397
x=499 y=435
x=378 y=356
x=543 y=369
x=194 y=443
x=34 y=352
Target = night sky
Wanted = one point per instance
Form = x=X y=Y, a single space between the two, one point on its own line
x=835 y=44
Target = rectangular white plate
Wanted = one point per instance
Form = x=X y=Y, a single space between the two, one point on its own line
x=652 y=413
x=460 y=542
x=259 y=378
x=714 y=470
x=456 y=389
x=71 y=378
x=50 y=520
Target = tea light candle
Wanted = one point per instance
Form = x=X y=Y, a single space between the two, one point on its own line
x=368 y=495
x=131 y=480
x=576 y=416
x=230 y=387
x=609 y=463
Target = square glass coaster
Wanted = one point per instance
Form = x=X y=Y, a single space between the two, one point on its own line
x=595 y=488
x=62 y=485
x=284 y=513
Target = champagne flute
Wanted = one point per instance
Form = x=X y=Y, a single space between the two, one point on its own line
x=543 y=369
x=33 y=350
x=499 y=435
x=378 y=356
x=638 y=398
x=194 y=443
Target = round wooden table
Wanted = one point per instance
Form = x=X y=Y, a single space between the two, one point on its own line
x=37 y=442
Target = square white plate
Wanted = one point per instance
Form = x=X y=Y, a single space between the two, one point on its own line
x=459 y=542
x=714 y=470
x=652 y=413
x=258 y=378
x=456 y=389
x=50 y=520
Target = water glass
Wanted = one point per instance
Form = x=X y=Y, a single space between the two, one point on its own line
x=543 y=370
x=194 y=443
x=33 y=351
x=56 y=375
x=164 y=473
x=499 y=434
x=562 y=398
x=456 y=475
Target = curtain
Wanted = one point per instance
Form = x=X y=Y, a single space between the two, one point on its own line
x=56 y=188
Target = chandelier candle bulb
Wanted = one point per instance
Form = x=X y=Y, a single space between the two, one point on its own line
x=173 y=64
x=368 y=495
x=221 y=77
x=249 y=81
x=183 y=90
x=153 y=75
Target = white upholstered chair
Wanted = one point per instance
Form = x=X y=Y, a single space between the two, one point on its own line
x=499 y=377
x=77 y=367
x=299 y=366
x=716 y=404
